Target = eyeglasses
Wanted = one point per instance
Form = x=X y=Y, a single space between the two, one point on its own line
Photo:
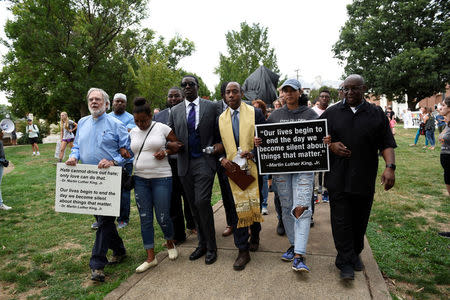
x=352 y=88
x=185 y=84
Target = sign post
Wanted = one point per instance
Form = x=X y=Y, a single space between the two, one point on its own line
x=86 y=189
x=292 y=147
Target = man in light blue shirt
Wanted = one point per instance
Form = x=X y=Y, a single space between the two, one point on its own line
x=119 y=112
x=101 y=140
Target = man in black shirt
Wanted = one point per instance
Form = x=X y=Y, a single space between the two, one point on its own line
x=358 y=130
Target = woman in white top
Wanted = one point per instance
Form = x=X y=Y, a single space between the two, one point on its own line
x=153 y=178
x=67 y=136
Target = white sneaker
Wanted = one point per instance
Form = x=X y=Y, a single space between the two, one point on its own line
x=146 y=265
x=38 y=153
x=173 y=253
x=34 y=153
x=5 y=207
x=265 y=211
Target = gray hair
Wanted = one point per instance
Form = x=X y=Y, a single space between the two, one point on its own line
x=104 y=95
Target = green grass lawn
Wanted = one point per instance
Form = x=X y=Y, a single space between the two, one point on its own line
x=404 y=224
x=44 y=254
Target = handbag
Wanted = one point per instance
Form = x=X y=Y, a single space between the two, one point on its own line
x=128 y=180
x=422 y=128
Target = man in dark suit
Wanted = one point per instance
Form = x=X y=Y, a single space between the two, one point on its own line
x=174 y=97
x=237 y=130
x=194 y=123
x=225 y=190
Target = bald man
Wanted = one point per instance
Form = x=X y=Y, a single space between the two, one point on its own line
x=359 y=131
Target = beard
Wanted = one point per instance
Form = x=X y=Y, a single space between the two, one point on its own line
x=97 y=112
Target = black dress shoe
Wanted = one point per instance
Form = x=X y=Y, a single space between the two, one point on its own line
x=242 y=259
x=358 y=264
x=211 y=257
x=199 y=252
x=254 y=244
x=347 y=273
x=280 y=228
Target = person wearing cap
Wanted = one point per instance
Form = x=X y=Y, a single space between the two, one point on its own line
x=358 y=132
x=101 y=140
x=119 y=112
x=294 y=189
x=33 y=133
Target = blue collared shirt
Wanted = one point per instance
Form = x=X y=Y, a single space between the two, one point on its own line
x=126 y=118
x=100 y=138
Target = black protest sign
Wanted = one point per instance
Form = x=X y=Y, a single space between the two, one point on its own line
x=292 y=147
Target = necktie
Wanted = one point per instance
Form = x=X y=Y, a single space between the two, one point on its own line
x=235 y=124
x=191 y=118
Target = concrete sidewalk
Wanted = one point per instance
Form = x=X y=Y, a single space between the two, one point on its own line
x=266 y=276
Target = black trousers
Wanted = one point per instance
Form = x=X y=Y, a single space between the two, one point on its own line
x=197 y=186
x=106 y=238
x=349 y=217
x=227 y=196
x=176 y=206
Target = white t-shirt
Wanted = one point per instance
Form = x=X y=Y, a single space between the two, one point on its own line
x=147 y=165
x=318 y=111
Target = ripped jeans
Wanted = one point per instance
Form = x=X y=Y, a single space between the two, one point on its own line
x=296 y=190
x=149 y=194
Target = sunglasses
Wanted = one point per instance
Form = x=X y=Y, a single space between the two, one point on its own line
x=185 y=84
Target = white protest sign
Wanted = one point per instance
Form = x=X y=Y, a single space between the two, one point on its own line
x=86 y=189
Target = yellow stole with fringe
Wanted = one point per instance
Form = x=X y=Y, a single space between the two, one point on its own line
x=246 y=202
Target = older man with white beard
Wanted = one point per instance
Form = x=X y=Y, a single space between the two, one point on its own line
x=101 y=140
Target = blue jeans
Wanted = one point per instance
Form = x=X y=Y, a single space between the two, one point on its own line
x=154 y=193
x=265 y=190
x=125 y=199
x=296 y=190
x=1 y=176
x=429 y=134
x=417 y=138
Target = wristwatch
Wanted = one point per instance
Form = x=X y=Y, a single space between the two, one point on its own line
x=392 y=166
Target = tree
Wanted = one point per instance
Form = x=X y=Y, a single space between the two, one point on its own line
x=247 y=50
x=399 y=47
x=314 y=94
x=61 y=48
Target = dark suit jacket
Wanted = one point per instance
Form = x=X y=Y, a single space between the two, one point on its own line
x=207 y=127
x=162 y=116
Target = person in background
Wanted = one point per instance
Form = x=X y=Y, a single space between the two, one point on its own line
x=175 y=96
x=444 y=138
x=440 y=121
x=33 y=133
x=258 y=103
x=153 y=179
x=101 y=140
x=3 y=206
x=422 y=124
x=430 y=126
x=67 y=136
x=277 y=104
x=156 y=110
x=119 y=112
x=14 y=137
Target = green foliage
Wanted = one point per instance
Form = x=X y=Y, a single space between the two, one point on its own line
x=314 y=94
x=60 y=49
x=247 y=50
x=400 y=47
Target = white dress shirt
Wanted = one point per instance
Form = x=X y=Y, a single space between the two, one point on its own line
x=197 y=110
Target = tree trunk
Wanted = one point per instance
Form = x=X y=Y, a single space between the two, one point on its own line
x=83 y=110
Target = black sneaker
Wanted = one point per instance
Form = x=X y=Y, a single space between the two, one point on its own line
x=97 y=275
x=347 y=273
x=280 y=228
x=358 y=264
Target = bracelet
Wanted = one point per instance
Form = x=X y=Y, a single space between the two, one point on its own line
x=165 y=153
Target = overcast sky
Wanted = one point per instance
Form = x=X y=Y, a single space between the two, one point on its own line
x=302 y=32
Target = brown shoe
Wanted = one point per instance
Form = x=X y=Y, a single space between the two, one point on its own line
x=228 y=231
x=242 y=259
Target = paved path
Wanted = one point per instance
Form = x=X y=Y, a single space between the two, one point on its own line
x=265 y=277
